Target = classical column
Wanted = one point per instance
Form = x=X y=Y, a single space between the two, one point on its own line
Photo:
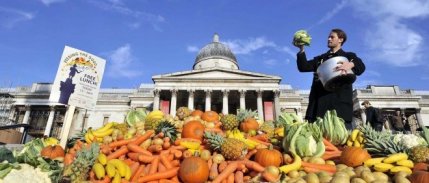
x=50 y=121
x=260 y=106
x=173 y=102
x=191 y=99
x=419 y=118
x=242 y=99
x=363 y=116
x=26 y=116
x=277 y=103
x=208 y=100
x=156 y=99
x=225 y=102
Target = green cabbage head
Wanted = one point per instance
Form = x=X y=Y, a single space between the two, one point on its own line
x=301 y=37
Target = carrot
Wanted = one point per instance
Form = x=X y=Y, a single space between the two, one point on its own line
x=161 y=167
x=170 y=157
x=225 y=180
x=146 y=169
x=230 y=178
x=225 y=173
x=187 y=154
x=165 y=162
x=238 y=176
x=145 y=159
x=138 y=173
x=261 y=137
x=175 y=179
x=178 y=147
x=122 y=151
x=177 y=141
x=91 y=175
x=138 y=149
x=154 y=148
x=246 y=178
x=165 y=152
x=160 y=175
x=143 y=138
x=213 y=173
x=251 y=153
x=154 y=166
x=259 y=141
x=119 y=143
x=222 y=166
x=68 y=159
x=331 y=155
x=166 y=181
x=269 y=177
x=159 y=135
x=329 y=145
x=175 y=163
x=254 y=166
x=166 y=139
x=322 y=167
x=241 y=167
x=177 y=154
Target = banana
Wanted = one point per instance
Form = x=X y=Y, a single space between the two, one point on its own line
x=120 y=166
x=101 y=134
x=190 y=145
x=406 y=163
x=90 y=134
x=349 y=142
x=104 y=128
x=354 y=134
x=401 y=168
x=102 y=159
x=383 y=167
x=293 y=166
x=356 y=143
x=87 y=139
x=395 y=158
x=373 y=161
x=360 y=139
x=117 y=177
x=110 y=169
x=98 y=170
x=128 y=173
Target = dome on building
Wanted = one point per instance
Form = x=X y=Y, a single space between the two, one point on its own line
x=215 y=54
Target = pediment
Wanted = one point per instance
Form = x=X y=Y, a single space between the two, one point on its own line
x=216 y=73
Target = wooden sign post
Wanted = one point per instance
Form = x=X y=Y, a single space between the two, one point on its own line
x=68 y=120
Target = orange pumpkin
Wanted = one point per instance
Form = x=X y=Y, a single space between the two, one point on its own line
x=193 y=129
x=420 y=167
x=210 y=116
x=419 y=177
x=194 y=170
x=249 y=124
x=269 y=157
x=354 y=156
x=197 y=112
x=55 y=152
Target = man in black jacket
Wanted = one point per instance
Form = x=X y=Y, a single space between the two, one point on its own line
x=372 y=116
x=320 y=99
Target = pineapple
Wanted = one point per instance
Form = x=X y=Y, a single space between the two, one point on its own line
x=183 y=112
x=229 y=121
x=243 y=114
x=419 y=154
x=380 y=144
x=78 y=171
x=268 y=127
x=168 y=129
x=151 y=123
x=231 y=149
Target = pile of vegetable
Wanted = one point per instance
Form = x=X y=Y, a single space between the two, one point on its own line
x=333 y=128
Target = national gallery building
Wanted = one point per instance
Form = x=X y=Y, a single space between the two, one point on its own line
x=215 y=83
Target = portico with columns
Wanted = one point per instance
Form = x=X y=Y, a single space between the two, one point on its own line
x=215 y=83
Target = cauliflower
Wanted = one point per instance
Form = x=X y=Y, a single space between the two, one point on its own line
x=409 y=140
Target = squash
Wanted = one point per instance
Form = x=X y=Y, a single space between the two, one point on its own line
x=249 y=124
x=354 y=156
x=419 y=177
x=196 y=113
x=54 y=152
x=193 y=129
x=194 y=170
x=269 y=157
x=420 y=167
x=210 y=116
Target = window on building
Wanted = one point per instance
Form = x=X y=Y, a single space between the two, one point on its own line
x=105 y=120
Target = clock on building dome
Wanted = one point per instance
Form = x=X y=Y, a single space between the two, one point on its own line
x=215 y=54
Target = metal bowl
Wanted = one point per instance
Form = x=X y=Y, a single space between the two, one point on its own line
x=331 y=79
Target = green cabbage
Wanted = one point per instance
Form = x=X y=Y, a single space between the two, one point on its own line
x=333 y=128
x=303 y=139
x=301 y=37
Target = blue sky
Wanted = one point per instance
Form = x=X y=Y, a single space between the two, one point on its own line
x=143 y=38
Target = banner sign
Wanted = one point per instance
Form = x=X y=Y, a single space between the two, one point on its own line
x=78 y=79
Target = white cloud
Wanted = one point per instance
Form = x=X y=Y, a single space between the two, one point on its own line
x=372 y=73
x=333 y=12
x=247 y=46
x=289 y=51
x=270 y=62
x=192 y=49
x=10 y=17
x=390 y=38
x=49 y=2
x=121 y=63
x=119 y=6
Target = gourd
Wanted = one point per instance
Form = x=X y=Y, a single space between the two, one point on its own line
x=193 y=129
x=249 y=124
x=194 y=170
x=354 y=156
x=210 y=116
x=269 y=157
x=54 y=152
